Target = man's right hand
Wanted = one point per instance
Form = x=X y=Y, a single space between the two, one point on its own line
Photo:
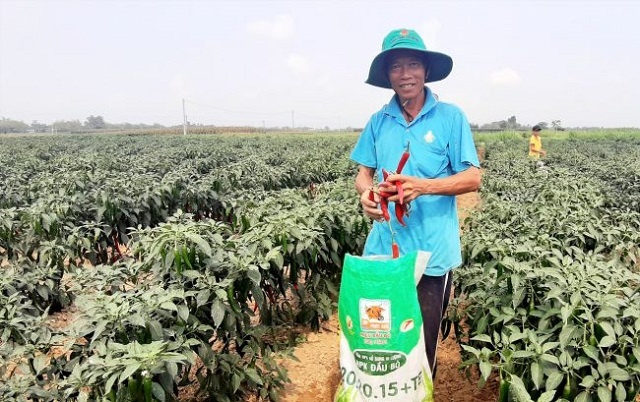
x=369 y=207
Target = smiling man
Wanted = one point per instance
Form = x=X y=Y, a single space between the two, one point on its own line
x=442 y=164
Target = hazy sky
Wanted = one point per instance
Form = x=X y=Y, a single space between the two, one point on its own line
x=304 y=62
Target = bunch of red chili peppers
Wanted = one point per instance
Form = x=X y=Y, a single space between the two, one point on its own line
x=402 y=208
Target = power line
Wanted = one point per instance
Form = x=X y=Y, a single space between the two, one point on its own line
x=252 y=112
x=233 y=111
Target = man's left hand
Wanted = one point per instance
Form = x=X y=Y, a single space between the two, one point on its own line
x=410 y=185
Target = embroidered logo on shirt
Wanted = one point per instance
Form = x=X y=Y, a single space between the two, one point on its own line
x=429 y=137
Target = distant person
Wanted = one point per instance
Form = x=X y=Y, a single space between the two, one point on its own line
x=535 y=144
x=443 y=163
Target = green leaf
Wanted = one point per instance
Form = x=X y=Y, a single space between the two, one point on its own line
x=155 y=329
x=607 y=341
x=554 y=293
x=604 y=394
x=158 y=392
x=136 y=319
x=621 y=393
x=485 y=369
x=547 y=346
x=550 y=358
x=606 y=327
x=236 y=380
x=554 y=380
x=296 y=233
x=520 y=354
x=588 y=381
x=254 y=274
x=172 y=369
x=183 y=312
x=129 y=370
x=202 y=244
x=471 y=350
x=190 y=273
x=482 y=338
x=548 y=396
x=592 y=352
x=566 y=334
x=217 y=312
x=618 y=374
x=202 y=297
x=518 y=390
x=278 y=259
x=39 y=363
x=100 y=327
x=537 y=376
x=169 y=306
x=583 y=397
x=109 y=384
x=253 y=375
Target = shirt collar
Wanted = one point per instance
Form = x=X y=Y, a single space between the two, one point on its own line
x=394 y=109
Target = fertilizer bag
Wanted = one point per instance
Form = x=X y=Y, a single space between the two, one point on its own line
x=382 y=352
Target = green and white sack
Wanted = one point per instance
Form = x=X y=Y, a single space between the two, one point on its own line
x=382 y=352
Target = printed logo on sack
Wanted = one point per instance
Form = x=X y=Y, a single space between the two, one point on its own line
x=375 y=315
x=429 y=137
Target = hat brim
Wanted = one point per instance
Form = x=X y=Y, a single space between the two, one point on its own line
x=438 y=64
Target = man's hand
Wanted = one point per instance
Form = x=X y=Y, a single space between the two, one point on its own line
x=414 y=187
x=410 y=185
x=370 y=207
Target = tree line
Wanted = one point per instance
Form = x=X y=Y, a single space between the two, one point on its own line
x=91 y=123
x=512 y=124
x=94 y=123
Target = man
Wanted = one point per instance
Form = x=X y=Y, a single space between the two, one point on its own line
x=443 y=163
x=535 y=144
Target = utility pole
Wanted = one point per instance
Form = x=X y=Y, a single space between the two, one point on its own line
x=184 y=116
x=292 y=121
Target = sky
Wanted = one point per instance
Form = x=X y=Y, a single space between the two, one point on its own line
x=304 y=63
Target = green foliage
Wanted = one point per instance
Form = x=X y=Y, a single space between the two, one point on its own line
x=550 y=285
x=209 y=248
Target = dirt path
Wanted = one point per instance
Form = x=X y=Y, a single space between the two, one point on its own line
x=316 y=376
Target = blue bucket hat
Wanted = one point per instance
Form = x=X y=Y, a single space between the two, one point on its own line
x=439 y=65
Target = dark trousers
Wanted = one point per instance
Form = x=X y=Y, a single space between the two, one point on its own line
x=433 y=296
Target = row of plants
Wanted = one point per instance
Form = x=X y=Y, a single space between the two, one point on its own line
x=550 y=290
x=98 y=187
x=184 y=259
x=192 y=296
x=184 y=262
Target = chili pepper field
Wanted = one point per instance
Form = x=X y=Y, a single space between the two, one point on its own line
x=190 y=267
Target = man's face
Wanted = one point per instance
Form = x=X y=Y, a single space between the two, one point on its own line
x=407 y=74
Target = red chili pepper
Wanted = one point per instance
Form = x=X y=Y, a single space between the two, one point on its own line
x=403 y=159
x=395 y=251
x=384 y=189
x=384 y=206
x=372 y=196
x=385 y=174
x=400 y=210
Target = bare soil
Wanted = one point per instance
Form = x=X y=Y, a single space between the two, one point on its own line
x=316 y=375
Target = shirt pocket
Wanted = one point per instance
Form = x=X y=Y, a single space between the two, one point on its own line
x=432 y=160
